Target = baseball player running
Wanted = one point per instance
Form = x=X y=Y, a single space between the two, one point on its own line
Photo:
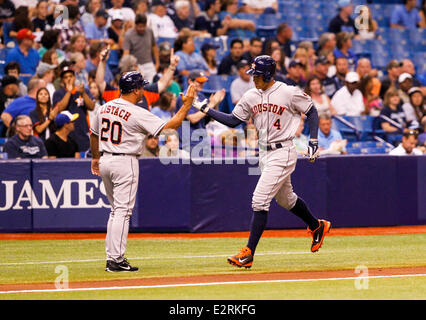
x=117 y=135
x=276 y=109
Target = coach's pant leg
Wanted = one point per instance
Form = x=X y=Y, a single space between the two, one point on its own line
x=107 y=181
x=276 y=168
x=125 y=175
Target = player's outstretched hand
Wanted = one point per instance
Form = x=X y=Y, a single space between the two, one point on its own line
x=216 y=98
x=313 y=151
x=95 y=167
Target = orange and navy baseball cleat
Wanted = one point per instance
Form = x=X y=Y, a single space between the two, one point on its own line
x=242 y=259
x=319 y=233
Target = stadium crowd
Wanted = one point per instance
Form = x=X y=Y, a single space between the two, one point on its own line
x=60 y=60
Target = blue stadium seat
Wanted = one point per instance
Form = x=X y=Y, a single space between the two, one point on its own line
x=422 y=77
x=366 y=144
x=170 y=40
x=353 y=150
x=3 y=55
x=346 y=129
x=6 y=31
x=419 y=60
x=417 y=38
x=266 y=25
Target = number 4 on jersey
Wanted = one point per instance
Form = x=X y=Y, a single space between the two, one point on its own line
x=277 y=124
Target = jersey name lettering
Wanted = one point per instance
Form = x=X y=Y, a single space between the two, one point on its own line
x=116 y=111
x=267 y=107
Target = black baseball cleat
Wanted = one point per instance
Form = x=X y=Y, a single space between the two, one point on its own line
x=319 y=233
x=123 y=266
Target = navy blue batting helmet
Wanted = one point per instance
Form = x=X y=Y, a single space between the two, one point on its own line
x=130 y=81
x=263 y=66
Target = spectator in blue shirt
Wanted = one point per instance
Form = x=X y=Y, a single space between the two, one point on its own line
x=95 y=57
x=24 y=54
x=23 y=105
x=166 y=106
x=189 y=59
x=97 y=31
x=343 y=50
x=405 y=16
x=326 y=135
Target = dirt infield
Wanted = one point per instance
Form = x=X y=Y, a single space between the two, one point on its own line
x=267 y=233
x=214 y=279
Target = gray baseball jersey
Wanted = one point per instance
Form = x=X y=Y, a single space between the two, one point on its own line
x=121 y=128
x=276 y=114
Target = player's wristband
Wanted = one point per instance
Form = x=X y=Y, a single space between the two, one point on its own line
x=204 y=108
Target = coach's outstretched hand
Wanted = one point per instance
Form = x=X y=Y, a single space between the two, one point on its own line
x=313 y=151
x=189 y=96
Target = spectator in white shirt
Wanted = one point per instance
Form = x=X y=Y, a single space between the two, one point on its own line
x=259 y=6
x=408 y=145
x=348 y=100
x=128 y=13
x=243 y=83
x=160 y=23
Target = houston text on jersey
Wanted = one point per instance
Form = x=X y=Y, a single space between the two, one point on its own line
x=267 y=107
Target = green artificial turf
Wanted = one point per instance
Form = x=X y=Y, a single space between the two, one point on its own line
x=84 y=260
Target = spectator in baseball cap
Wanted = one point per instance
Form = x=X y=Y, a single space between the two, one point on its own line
x=405 y=81
x=96 y=31
x=294 y=73
x=74 y=97
x=117 y=29
x=60 y=144
x=393 y=70
x=24 y=54
x=46 y=72
x=348 y=100
x=243 y=83
x=198 y=76
x=321 y=67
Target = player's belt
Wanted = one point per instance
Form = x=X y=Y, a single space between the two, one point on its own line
x=113 y=154
x=273 y=146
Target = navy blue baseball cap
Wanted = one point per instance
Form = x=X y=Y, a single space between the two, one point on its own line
x=65 y=117
x=130 y=81
x=263 y=66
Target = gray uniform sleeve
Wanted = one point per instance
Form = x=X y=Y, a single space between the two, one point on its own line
x=94 y=127
x=242 y=110
x=300 y=101
x=150 y=123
